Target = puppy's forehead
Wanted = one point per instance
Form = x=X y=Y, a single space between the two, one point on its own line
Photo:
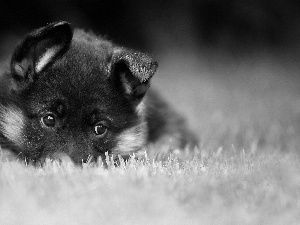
x=83 y=68
x=85 y=58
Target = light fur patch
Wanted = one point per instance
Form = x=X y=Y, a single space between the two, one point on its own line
x=12 y=123
x=131 y=140
x=126 y=84
x=140 y=109
x=46 y=58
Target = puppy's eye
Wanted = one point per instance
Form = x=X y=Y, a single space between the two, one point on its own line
x=100 y=129
x=48 y=120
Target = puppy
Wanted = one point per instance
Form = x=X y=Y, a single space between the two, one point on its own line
x=72 y=93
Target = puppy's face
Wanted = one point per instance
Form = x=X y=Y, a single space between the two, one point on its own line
x=76 y=95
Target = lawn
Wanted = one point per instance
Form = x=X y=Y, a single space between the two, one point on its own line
x=246 y=169
x=206 y=189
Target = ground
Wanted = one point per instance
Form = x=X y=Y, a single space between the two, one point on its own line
x=246 y=169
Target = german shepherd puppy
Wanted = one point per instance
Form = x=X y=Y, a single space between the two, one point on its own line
x=76 y=94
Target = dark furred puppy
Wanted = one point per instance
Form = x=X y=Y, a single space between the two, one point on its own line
x=76 y=94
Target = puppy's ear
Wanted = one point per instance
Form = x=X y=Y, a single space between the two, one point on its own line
x=39 y=49
x=133 y=70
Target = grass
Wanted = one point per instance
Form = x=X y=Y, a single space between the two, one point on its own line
x=245 y=171
x=206 y=189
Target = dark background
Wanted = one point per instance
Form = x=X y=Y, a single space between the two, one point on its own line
x=234 y=26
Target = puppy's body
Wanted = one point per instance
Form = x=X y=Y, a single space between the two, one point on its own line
x=80 y=95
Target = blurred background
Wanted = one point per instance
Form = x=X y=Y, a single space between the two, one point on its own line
x=236 y=26
x=230 y=66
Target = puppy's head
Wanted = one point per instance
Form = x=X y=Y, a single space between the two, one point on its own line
x=75 y=94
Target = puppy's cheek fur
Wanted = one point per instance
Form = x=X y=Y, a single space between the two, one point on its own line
x=12 y=123
x=131 y=139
